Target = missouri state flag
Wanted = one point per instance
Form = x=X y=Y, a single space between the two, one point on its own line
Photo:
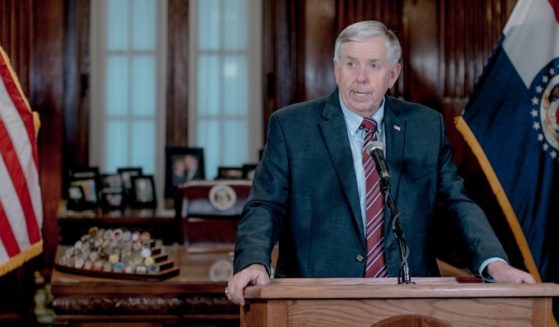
x=21 y=213
x=512 y=125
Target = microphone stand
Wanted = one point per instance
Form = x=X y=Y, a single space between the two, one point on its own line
x=404 y=272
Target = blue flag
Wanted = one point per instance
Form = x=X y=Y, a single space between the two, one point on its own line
x=512 y=125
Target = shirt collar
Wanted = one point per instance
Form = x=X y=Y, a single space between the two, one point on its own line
x=353 y=120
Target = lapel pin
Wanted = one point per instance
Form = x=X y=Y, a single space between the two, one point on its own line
x=397 y=127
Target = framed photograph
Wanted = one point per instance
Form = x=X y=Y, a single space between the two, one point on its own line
x=248 y=171
x=83 y=187
x=111 y=181
x=126 y=174
x=143 y=192
x=112 y=199
x=83 y=193
x=76 y=198
x=182 y=164
x=229 y=172
x=83 y=173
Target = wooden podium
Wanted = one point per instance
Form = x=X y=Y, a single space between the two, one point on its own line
x=382 y=302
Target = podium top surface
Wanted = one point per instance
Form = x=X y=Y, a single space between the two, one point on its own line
x=383 y=288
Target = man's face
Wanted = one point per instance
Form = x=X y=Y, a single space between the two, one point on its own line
x=364 y=73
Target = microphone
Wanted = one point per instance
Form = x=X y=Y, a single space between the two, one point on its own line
x=376 y=150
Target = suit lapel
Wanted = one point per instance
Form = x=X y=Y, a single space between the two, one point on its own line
x=334 y=131
x=395 y=129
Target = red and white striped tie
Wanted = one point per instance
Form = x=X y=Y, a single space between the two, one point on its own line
x=374 y=208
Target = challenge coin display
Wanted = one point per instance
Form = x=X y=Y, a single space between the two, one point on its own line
x=117 y=253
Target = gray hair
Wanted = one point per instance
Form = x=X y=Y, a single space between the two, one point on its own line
x=365 y=30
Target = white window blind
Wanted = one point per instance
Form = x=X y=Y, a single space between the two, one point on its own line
x=127 y=56
x=225 y=81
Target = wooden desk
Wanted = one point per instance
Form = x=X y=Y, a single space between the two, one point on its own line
x=189 y=298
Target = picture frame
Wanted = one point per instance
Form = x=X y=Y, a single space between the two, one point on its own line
x=111 y=181
x=143 y=192
x=229 y=172
x=76 y=198
x=82 y=188
x=80 y=173
x=126 y=174
x=248 y=171
x=89 y=197
x=182 y=164
x=112 y=199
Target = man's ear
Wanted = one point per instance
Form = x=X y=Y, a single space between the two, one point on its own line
x=394 y=73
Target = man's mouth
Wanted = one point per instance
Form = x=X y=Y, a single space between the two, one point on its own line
x=360 y=94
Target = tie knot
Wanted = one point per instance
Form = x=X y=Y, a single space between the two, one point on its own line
x=369 y=124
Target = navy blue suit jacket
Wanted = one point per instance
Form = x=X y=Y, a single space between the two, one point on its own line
x=304 y=194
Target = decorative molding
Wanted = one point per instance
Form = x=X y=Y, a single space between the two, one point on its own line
x=117 y=305
x=208 y=304
x=85 y=305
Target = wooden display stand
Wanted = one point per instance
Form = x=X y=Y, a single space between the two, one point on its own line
x=382 y=302
x=194 y=296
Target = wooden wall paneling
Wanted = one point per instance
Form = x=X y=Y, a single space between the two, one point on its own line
x=177 y=73
x=47 y=96
x=296 y=38
x=15 y=37
x=421 y=54
x=470 y=41
x=283 y=62
x=393 y=15
x=468 y=32
x=76 y=85
x=84 y=61
x=320 y=38
x=351 y=11
x=269 y=21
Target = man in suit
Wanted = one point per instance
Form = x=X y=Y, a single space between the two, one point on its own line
x=309 y=191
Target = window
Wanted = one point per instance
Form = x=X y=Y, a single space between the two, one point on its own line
x=225 y=83
x=127 y=54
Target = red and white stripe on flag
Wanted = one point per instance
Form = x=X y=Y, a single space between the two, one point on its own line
x=21 y=213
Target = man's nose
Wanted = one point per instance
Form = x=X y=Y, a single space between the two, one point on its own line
x=361 y=75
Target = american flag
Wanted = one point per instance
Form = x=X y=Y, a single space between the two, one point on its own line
x=21 y=212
